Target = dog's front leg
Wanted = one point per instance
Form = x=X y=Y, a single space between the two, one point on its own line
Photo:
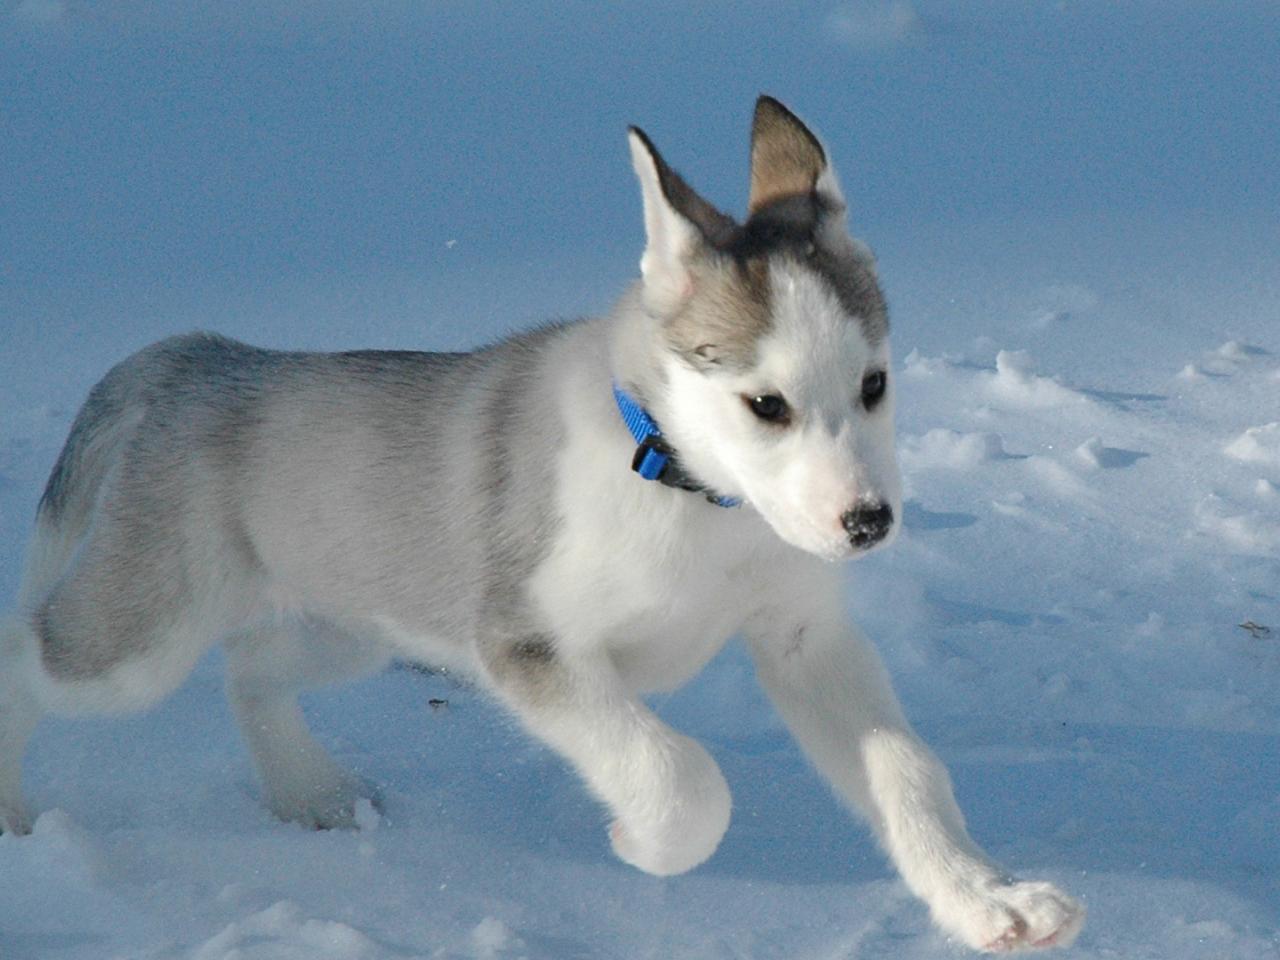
x=834 y=694
x=668 y=798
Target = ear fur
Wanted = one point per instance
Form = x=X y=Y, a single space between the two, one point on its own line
x=787 y=160
x=679 y=225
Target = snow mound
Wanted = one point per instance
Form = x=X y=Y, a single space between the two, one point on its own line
x=1229 y=358
x=1233 y=351
x=281 y=932
x=1012 y=385
x=1257 y=445
x=1251 y=532
x=59 y=847
x=945 y=449
x=491 y=938
x=1094 y=455
x=1016 y=383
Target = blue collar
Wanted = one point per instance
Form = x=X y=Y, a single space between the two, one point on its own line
x=655 y=459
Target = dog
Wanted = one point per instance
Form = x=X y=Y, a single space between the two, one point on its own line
x=574 y=516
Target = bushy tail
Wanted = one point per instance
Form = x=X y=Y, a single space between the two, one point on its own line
x=103 y=424
x=101 y=428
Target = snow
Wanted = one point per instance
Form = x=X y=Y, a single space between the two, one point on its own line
x=1257 y=445
x=1073 y=207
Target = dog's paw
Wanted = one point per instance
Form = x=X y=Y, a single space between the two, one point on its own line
x=331 y=807
x=674 y=826
x=1009 y=917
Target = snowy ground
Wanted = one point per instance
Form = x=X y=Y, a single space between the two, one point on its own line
x=1090 y=432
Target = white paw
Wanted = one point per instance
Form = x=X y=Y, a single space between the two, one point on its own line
x=332 y=806
x=675 y=822
x=1008 y=917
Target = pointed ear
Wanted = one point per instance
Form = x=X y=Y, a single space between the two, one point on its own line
x=678 y=226
x=788 y=160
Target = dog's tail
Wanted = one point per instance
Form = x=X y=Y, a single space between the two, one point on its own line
x=90 y=450
x=100 y=430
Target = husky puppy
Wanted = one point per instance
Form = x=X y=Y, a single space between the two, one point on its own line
x=575 y=516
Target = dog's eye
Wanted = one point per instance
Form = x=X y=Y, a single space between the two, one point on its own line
x=770 y=408
x=873 y=387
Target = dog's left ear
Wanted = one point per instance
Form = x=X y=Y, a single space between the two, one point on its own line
x=679 y=227
x=787 y=160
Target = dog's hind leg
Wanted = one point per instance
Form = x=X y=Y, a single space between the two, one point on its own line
x=266 y=670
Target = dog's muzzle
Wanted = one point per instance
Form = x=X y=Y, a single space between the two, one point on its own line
x=868 y=523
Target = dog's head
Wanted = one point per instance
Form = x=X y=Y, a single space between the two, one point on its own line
x=775 y=354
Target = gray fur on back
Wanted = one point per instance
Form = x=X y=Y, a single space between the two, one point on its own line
x=215 y=468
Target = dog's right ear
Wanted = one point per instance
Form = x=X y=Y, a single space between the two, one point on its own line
x=679 y=226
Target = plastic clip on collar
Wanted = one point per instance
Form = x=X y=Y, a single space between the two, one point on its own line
x=655 y=459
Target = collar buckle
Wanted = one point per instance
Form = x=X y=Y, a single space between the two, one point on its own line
x=655 y=458
x=652 y=457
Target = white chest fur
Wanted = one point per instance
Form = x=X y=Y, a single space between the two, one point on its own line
x=661 y=595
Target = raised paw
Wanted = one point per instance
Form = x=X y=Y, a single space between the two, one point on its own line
x=672 y=826
x=1009 y=917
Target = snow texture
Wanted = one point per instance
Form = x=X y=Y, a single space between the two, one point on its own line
x=1074 y=211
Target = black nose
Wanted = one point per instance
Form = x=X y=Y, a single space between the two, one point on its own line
x=868 y=523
